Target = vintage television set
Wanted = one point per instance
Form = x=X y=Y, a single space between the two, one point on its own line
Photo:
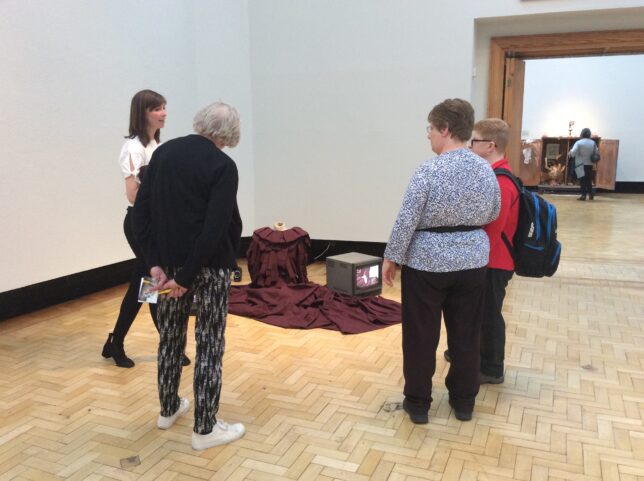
x=354 y=274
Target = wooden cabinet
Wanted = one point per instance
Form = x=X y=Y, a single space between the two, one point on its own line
x=607 y=166
x=530 y=167
x=545 y=163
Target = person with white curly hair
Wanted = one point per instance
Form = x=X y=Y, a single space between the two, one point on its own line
x=187 y=221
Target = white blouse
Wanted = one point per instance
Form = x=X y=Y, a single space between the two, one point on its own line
x=134 y=156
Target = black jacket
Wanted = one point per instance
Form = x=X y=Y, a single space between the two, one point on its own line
x=185 y=214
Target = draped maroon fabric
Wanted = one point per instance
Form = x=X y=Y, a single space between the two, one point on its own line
x=281 y=295
x=278 y=257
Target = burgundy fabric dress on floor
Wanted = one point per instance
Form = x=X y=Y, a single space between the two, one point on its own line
x=280 y=294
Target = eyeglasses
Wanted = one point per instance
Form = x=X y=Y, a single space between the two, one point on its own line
x=428 y=128
x=479 y=140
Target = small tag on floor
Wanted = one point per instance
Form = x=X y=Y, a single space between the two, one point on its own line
x=391 y=407
x=130 y=462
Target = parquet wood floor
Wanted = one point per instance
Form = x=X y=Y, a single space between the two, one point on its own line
x=322 y=406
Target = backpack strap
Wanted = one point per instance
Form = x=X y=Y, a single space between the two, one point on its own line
x=506 y=173
x=509 y=246
x=519 y=185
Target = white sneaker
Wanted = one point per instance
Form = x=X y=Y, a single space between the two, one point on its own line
x=222 y=433
x=165 y=422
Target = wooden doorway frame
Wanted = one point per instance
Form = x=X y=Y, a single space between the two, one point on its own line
x=502 y=84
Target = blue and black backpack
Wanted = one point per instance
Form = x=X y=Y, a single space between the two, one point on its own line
x=536 y=251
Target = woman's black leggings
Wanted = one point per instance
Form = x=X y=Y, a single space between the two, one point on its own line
x=586 y=182
x=130 y=305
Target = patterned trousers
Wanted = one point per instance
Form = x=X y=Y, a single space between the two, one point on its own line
x=211 y=289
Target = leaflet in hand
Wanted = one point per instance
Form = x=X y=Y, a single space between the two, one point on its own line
x=146 y=292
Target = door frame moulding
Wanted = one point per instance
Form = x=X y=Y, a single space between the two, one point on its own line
x=556 y=45
x=575 y=44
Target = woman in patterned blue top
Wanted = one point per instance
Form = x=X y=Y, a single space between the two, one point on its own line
x=443 y=252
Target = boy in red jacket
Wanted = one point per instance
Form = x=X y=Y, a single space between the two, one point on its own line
x=489 y=139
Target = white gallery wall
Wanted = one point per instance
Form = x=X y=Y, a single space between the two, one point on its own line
x=68 y=70
x=333 y=96
x=601 y=93
x=342 y=89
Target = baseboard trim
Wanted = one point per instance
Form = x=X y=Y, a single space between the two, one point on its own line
x=45 y=294
x=629 y=187
x=620 y=188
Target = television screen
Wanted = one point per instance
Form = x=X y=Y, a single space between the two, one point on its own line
x=354 y=274
x=367 y=276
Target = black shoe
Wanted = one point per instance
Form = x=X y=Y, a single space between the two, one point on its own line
x=446 y=355
x=107 y=351
x=485 y=379
x=591 y=197
x=416 y=417
x=120 y=358
x=185 y=361
x=461 y=414
x=116 y=352
x=583 y=197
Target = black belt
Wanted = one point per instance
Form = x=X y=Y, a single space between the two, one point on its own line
x=450 y=228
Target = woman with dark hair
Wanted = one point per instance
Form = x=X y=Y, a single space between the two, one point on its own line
x=581 y=151
x=147 y=118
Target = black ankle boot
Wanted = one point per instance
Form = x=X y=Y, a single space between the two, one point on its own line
x=583 y=197
x=107 y=347
x=120 y=359
x=116 y=352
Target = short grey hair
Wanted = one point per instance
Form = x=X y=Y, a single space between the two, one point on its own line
x=219 y=122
